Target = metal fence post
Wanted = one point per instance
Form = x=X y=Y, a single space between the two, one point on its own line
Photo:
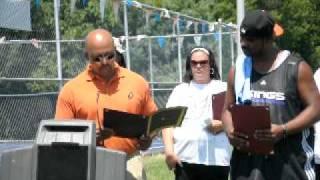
x=56 y=20
x=220 y=47
x=232 y=48
x=125 y=21
x=179 y=49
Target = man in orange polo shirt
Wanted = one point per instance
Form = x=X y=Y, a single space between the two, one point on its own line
x=104 y=84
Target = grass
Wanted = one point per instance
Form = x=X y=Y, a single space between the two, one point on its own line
x=156 y=168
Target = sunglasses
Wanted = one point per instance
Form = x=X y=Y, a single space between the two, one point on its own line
x=201 y=63
x=101 y=57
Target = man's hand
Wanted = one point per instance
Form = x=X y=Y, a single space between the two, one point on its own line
x=237 y=139
x=103 y=134
x=272 y=135
x=144 y=143
x=172 y=160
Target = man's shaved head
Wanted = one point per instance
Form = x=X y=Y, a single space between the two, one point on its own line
x=99 y=39
x=100 y=52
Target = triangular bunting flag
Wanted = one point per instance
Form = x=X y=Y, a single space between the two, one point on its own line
x=37 y=2
x=175 y=20
x=72 y=6
x=211 y=27
x=197 y=40
x=161 y=41
x=196 y=27
x=141 y=36
x=182 y=24
x=157 y=17
x=204 y=27
x=129 y=3
x=137 y=4
x=216 y=36
x=102 y=8
x=148 y=13
x=84 y=2
x=165 y=13
x=180 y=40
x=189 y=23
x=173 y=28
x=115 y=7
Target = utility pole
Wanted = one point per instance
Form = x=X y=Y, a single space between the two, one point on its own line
x=240 y=16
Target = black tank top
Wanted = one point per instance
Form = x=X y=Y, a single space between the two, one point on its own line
x=278 y=90
x=293 y=155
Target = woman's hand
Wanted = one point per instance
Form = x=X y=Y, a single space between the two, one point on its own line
x=172 y=160
x=215 y=126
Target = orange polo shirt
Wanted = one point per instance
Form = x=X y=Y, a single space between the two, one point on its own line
x=85 y=97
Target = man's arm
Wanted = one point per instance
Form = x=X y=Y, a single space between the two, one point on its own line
x=311 y=99
x=235 y=138
x=64 y=106
x=229 y=100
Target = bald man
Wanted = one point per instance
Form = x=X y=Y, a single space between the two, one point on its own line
x=104 y=84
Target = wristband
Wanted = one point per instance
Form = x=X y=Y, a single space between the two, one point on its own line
x=285 y=130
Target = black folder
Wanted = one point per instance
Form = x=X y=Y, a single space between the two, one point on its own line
x=247 y=119
x=125 y=124
x=217 y=104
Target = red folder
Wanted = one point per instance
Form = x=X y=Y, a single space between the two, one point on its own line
x=217 y=105
x=246 y=119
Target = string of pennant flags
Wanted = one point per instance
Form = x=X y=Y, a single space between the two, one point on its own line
x=162 y=40
x=183 y=22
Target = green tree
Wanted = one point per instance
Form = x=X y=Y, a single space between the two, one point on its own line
x=298 y=17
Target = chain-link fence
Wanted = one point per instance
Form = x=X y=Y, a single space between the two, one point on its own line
x=34 y=65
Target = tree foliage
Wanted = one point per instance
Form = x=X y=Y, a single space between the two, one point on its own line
x=298 y=17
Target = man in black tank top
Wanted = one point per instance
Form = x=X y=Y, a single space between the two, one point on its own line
x=284 y=82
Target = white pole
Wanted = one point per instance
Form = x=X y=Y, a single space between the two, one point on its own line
x=240 y=16
x=125 y=21
x=179 y=50
x=232 y=48
x=56 y=20
x=220 y=47
x=150 y=64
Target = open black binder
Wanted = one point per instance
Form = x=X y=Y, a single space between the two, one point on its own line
x=125 y=124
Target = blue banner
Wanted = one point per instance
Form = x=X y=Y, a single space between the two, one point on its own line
x=161 y=41
x=182 y=25
x=37 y=2
x=157 y=17
x=204 y=27
x=84 y=2
x=129 y=3
x=216 y=36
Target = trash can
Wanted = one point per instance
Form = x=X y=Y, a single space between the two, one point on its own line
x=65 y=150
